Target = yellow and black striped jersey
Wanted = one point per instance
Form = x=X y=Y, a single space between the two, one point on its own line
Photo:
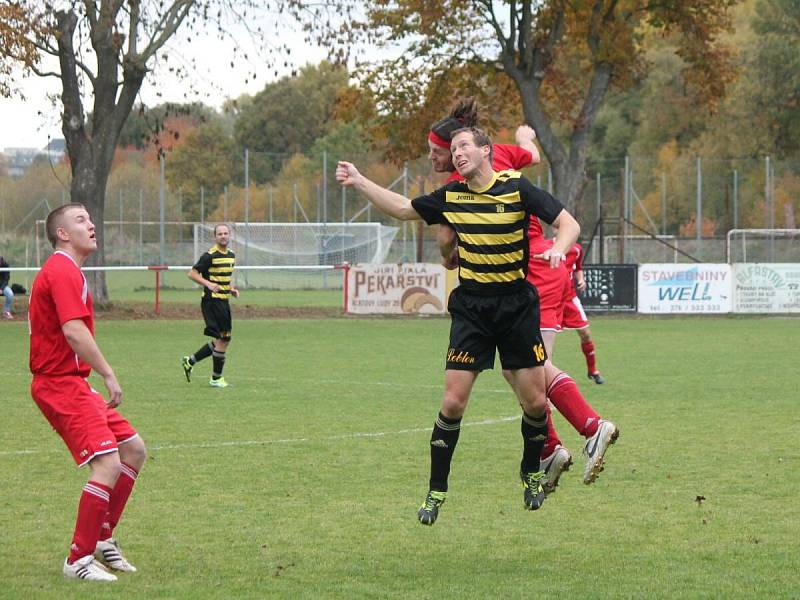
x=217 y=265
x=492 y=227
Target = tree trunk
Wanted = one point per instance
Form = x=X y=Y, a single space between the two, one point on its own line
x=91 y=157
x=89 y=181
x=568 y=165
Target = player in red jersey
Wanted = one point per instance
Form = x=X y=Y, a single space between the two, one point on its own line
x=63 y=352
x=549 y=281
x=574 y=317
x=562 y=390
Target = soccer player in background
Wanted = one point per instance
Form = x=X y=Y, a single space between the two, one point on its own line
x=214 y=271
x=494 y=307
x=574 y=317
x=549 y=282
x=62 y=354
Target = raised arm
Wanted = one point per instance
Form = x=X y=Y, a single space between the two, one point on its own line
x=524 y=138
x=387 y=201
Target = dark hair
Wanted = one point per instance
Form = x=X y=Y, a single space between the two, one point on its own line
x=221 y=225
x=53 y=221
x=464 y=113
x=479 y=136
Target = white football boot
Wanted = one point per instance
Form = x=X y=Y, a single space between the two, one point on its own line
x=595 y=448
x=87 y=568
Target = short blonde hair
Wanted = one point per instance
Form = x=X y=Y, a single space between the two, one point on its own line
x=53 y=221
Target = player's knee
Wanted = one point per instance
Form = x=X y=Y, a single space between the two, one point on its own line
x=106 y=468
x=134 y=453
x=453 y=405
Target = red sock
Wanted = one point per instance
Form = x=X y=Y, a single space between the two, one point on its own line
x=92 y=510
x=119 y=497
x=588 y=352
x=552 y=436
x=567 y=398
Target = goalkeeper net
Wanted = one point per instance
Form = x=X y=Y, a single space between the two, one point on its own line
x=763 y=246
x=302 y=244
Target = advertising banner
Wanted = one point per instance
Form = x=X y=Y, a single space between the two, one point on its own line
x=766 y=288
x=609 y=288
x=672 y=288
x=410 y=288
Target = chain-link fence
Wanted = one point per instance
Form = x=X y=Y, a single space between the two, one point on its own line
x=152 y=203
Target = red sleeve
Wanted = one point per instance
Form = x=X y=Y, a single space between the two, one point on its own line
x=69 y=291
x=508 y=156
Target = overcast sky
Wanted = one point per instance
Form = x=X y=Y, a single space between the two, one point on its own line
x=22 y=126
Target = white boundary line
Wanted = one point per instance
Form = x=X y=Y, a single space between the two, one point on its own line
x=344 y=436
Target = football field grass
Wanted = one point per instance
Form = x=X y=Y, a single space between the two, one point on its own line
x=303 y=478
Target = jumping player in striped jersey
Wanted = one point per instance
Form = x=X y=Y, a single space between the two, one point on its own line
x=494 y=308
x=214 y=271
x=563 y=392
x=63 y=352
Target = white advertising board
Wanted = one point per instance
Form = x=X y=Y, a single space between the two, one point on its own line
x=766 y=288
x=671 y=288
x=411 y=288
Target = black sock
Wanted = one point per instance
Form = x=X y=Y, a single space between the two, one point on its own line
x=219 y=364
x=204 y=352
x=443 y=443
x=534 y=434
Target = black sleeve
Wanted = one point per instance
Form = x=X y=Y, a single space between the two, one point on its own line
x=539 y=202
x=431 y=206
x=203 y=264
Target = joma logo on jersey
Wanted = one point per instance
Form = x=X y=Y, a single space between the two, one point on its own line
x=466 y=197
x=463 y=357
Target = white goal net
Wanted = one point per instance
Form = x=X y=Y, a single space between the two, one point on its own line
x=763 y=246
x=302 y=244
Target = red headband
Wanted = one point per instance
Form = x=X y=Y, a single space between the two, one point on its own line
x=438 y=140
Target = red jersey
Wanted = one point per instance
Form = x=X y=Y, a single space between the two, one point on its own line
x=59 y=294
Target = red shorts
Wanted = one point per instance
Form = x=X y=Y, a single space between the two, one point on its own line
x=574 y=316
x=81 y=416
x=550 y=284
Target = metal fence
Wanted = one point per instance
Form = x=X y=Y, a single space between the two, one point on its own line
x=149 y=210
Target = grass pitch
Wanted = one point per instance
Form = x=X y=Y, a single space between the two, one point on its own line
x=302 y=480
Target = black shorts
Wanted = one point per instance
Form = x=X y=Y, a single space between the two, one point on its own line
x=480 y=324
x=217 y=314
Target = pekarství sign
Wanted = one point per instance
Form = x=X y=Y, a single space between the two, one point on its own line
x=400 y=289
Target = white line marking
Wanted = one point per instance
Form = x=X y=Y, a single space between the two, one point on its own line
x=344 y=436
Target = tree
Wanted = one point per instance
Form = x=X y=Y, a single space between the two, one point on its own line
x=125 y=39
x=17 y=48
x=287 y=116
x=144 y=125
x=562 y=58
x=776 y=68
x=205 y=159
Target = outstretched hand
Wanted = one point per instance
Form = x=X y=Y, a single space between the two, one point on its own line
x=346 y=173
